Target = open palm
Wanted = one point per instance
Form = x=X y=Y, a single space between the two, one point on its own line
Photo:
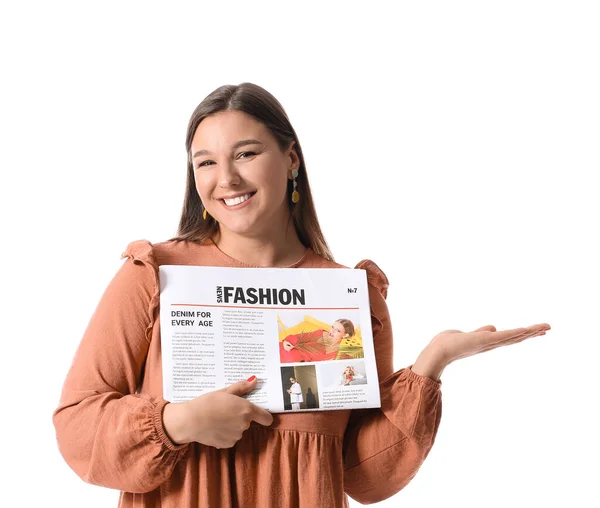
x=455 y=344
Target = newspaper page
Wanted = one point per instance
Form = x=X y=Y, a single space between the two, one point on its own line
x=305 y=333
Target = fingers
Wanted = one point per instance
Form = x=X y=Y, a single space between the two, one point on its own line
x=503 y=335
x=532 y=332
x=484 y=339
x=507 y=333
x=514 y=339
x=544 y=326
x=262 y=416
x=522 y=333
x=241 y=387
x=258 y=414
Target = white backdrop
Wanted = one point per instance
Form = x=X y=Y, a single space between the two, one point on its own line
x=454 y=143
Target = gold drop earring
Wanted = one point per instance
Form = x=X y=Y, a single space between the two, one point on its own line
x=295 y=193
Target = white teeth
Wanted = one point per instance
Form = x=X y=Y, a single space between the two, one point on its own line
x=236 y=201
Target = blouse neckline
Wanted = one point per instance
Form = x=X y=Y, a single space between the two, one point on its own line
x=237 y=262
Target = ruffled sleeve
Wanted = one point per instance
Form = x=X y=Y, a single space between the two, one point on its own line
x=107 y=433
x=384 y=448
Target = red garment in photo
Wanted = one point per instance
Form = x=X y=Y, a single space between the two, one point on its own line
x=309 y=347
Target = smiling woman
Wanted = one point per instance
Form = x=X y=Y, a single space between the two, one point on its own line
x=317 y=345
x=238 y=141
x=247 y=204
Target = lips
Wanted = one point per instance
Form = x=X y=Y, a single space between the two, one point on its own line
x=231 y=202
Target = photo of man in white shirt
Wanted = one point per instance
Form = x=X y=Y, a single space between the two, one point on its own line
x=295 y=392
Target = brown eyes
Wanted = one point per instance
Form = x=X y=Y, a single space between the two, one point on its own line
x=203 y=164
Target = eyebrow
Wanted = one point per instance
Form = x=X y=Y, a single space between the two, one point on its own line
x=237 y=144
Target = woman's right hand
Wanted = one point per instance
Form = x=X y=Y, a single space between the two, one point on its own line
x=217 y=418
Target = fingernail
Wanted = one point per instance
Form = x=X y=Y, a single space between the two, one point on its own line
x=251 y=378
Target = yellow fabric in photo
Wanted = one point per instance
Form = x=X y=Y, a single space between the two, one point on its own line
x=311 y=323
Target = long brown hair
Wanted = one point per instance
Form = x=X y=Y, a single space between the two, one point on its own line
x=264 y=107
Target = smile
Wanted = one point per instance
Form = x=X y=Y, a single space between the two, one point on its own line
x=230 y=202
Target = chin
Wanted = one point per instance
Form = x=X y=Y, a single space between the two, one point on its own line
x=238 y=227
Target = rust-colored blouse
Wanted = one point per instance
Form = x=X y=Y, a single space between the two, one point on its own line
x=109 y=422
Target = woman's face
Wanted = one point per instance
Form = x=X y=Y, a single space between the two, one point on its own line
x=337 y=332
x=241 y=174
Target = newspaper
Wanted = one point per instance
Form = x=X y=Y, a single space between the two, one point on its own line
x=305 y=333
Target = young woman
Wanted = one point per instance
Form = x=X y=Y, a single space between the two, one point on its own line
x=247 y=204
x=349 y=375
x=316 y=345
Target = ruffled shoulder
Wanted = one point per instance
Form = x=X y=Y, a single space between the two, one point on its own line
x=375 y=276
x=141 y=251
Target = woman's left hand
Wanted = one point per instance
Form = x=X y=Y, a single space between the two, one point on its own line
x=451 y=345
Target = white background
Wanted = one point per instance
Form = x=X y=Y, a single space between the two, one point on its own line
x=454 y=143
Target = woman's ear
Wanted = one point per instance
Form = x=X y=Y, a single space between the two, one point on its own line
x=294 y=160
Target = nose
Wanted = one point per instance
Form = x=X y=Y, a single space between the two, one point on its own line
x=228 y=175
